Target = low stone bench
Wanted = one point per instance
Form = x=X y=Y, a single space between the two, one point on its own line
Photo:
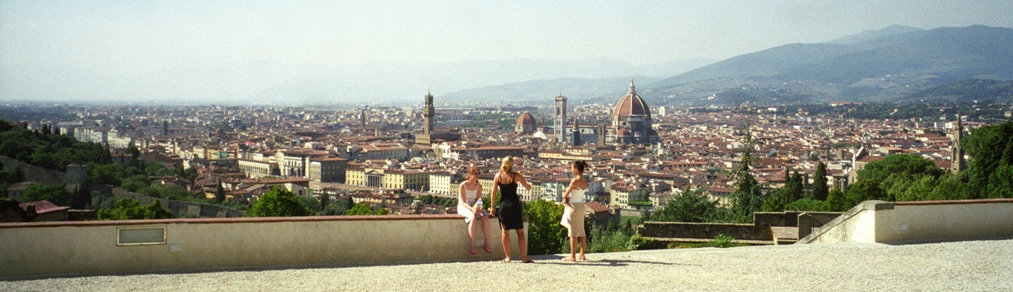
x=784 y=234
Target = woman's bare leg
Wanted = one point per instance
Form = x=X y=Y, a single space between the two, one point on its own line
x=573 y=249
x=583 y=246
x=505 y=238
x=522 y=243
x=471 y=234
x=485 y=231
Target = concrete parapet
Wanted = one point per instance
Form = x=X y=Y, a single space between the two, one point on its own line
x=924 y=221
x=49 y=249
x=758 y=232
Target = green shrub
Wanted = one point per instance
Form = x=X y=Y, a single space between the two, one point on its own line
x=723 y=241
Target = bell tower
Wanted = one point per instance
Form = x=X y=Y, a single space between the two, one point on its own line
x=957 y=155
x=559 y=122
x=428 y=112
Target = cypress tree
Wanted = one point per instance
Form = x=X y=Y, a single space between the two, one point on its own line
x=820 y=189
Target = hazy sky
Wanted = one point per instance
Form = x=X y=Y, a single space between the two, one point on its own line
x=135 y=37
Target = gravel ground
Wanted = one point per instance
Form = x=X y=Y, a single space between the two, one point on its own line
x=963 y=266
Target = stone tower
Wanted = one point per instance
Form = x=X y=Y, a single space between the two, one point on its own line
x=575 y=133
x=428 y=112
x=362 y=118
x=559 y=123
x=957 y=155
x=601 y=135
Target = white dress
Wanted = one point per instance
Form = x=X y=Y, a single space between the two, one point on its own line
x=471 y=196
x=573 y=213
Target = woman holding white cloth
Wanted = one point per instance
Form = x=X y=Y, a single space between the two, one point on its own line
x=573 y=211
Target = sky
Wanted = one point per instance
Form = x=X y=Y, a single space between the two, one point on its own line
x=49 y=50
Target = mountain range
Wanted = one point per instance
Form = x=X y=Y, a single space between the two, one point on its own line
x=497 y=81
x=891 y=64
x=897 y=63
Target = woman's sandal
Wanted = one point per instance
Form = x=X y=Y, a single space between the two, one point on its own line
x=487 y=249
x=473 y=252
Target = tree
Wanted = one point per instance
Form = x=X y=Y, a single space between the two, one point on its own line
x=898 y=163
x=220 y=192
x=820 y=189
x=1000 y=183
x=863 y=190
x=129 y=209
x=983 y=145
x=277 y=202
x=893 y=176
x=747 y=196
x=775 y=200
x=793 y=187
x=57 y=194
x=836 y=201
x=691 y=206
x=338 y=207
x=364 y=209
x=950 y=187
x=17 y=175
x=896 y=185
x=109 y=174
x=135 y=154
x=81 y=197
x=325 y=200
x=545 y=235
x=808 y=204
x=135 y=183
x=311 y=204
x=917 y=190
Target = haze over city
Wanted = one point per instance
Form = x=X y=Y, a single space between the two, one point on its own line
x=350 y=52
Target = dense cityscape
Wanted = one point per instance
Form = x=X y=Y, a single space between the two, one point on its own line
x=389 y=158
x=518 y=145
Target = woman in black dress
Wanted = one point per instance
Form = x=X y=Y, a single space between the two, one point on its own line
x=510 y=209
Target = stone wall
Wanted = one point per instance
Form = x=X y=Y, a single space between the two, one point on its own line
x=922 y=221
x=759 y=230
x=34 y=173
x=54 y=249
x=700 y=230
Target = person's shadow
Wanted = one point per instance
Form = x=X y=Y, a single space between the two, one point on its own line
x=558 y=260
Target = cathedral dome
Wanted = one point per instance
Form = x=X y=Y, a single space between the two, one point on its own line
x=631 y=104
x=525 y=124
x=526 y=119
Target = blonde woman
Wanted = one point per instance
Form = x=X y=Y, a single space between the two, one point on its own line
x=573 y=211
x=469 y=205
x=510 y=210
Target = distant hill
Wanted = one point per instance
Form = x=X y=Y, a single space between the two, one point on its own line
x=966 y=91
x=543 y=90
x=409 y=82
x=577 y=87
x=869 y=35
x=884 y=65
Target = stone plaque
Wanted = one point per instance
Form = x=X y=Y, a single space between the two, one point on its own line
x=140 y=236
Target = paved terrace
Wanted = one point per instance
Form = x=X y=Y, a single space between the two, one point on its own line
x=951 y=266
